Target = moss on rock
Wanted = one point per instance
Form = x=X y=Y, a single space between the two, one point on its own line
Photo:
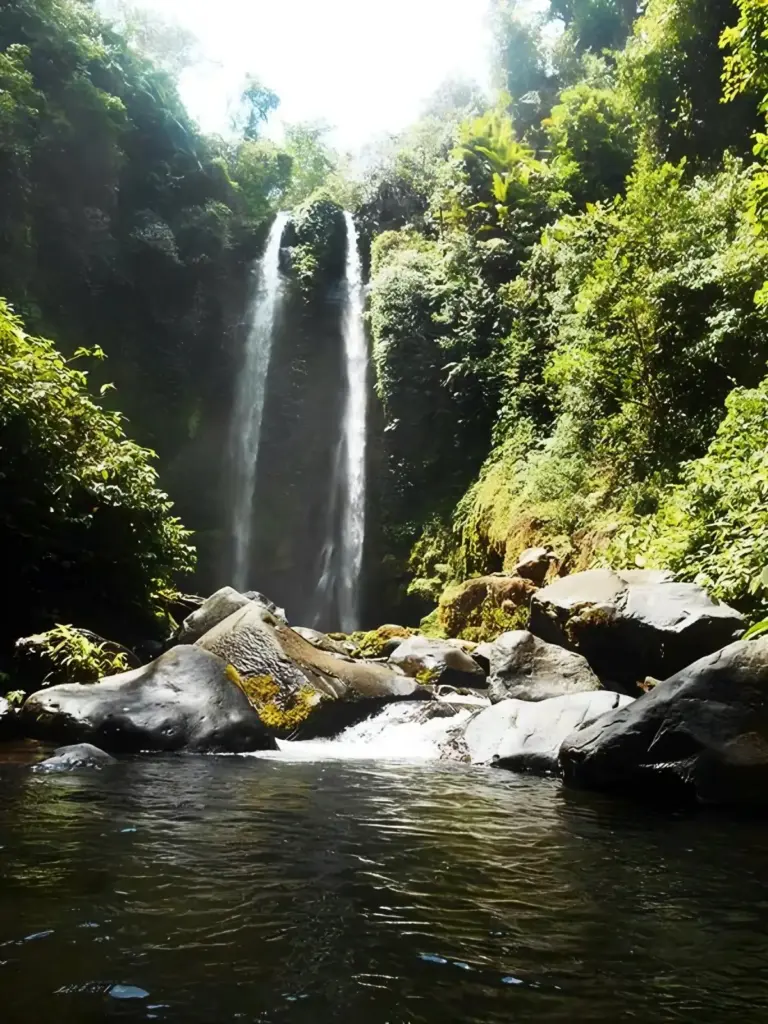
x=374 y=643
x=480 y=609
x=277 y=711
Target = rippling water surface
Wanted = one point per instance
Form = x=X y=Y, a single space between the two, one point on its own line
x=236 y=889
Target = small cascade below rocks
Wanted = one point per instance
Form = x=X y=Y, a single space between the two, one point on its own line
x=251 y=395
x=407 y=730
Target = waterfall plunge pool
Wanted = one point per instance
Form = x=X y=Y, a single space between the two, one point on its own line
x=217 y=889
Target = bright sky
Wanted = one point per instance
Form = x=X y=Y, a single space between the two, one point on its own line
x=365 y=67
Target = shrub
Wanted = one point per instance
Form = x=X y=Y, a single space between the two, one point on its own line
x=72 y=656
x=85 y=532
x=713 y=527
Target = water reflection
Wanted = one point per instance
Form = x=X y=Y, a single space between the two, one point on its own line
x=236 y=889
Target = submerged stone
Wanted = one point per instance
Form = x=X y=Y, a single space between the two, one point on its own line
x=80 y=755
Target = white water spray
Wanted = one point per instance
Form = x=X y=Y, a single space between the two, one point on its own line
x=404 y=731
x=251 y=394
x=354 y=434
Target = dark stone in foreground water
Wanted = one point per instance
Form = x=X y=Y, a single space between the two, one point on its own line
x=701 y=735
x=80 y=755
x=238 y=890
x=182 y=701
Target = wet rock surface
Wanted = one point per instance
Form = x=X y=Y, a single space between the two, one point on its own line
x=79 y=755
x=185 y=700
x=700 y=735
x=523 y=667
x=526 y=736
x=438 y=662
x=335 y=691
x=632 y=624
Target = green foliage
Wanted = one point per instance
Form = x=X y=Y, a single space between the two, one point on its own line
x=317 y=243
x=71 y=657
x=261 y=173
x=670 y=68
x=84 y=530
x=313 y=160
x=592 y=139
x=597 y=25
x=713 y=526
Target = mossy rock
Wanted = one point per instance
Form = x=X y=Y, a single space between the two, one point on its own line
x=483 y=608
x=280 y=712
x=316 y=239
x=377 y=642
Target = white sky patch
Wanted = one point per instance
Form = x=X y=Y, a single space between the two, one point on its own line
x=366 y=68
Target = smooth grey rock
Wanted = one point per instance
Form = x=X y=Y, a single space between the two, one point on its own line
x=184 y=700
x=523 y=667
x=325 y=643
x=444 y=661
x=632 y=624
x=276 y=610
x=702 y=734
x=533 y=564
x=345 y=691
x=80 y=755
x=526 y=736
x=211 y=612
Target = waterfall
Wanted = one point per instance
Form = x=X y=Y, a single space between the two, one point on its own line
x=250 y=397
x=354 y=436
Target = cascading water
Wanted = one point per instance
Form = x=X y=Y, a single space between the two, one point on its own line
x=354 y=433
x=410 y=731
x=251 y=394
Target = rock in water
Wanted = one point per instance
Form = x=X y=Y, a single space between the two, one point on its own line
x=299 y=686
x=701 y=734
x=525 y=736
x=437 y=661
x=183 y=701
x=81 y=755
x=632 y=624
x=523 y=667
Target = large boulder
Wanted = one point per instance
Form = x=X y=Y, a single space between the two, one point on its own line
x=523 y=667
x=437 y=661
x=702 y=734
x=81 y=755
x=632 y=624
x=218 y=607
x=525 y=736
x=186 y=700
x=298 y=688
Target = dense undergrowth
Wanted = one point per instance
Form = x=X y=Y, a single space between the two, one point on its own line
x=570 y=336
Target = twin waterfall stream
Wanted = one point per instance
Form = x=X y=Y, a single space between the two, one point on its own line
x=337 y=583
